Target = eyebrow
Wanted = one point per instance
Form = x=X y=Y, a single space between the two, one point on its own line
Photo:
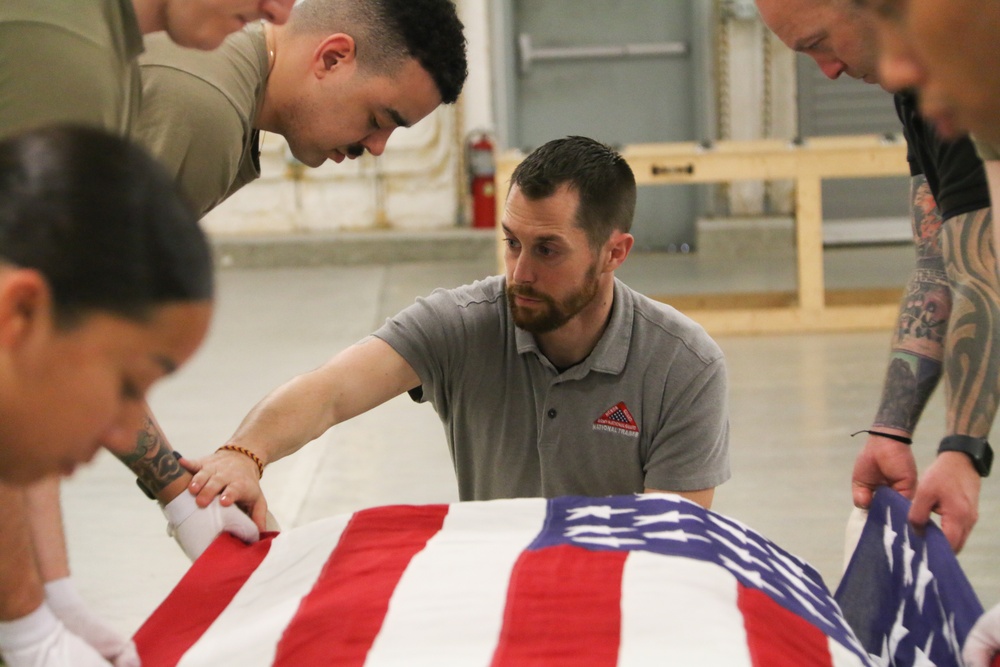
x=397 y=118
x=549 y=238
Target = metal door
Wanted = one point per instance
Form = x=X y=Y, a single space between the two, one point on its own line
x=620 y=71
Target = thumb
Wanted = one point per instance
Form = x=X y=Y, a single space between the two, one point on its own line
x=259 y=514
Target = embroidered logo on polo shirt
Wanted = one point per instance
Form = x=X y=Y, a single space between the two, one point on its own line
x=617 y=419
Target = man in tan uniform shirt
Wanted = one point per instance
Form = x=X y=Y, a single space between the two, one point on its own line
x=73 y=61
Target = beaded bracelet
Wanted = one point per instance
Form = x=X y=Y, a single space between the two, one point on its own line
x=247 y=452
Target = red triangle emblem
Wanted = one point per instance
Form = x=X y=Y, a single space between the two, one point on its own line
x=618 y=417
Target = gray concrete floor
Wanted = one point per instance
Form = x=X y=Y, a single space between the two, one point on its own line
x=795 y=399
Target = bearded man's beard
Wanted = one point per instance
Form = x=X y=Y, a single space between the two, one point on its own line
x=551 y=315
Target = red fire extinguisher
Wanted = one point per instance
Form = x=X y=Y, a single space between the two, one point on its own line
x=481 y=174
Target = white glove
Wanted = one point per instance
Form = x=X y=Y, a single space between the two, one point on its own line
x=983 y=640
x=41 y=640
x=194 y=528
x=69 y=607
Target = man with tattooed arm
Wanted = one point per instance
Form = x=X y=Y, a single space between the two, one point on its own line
x=947 y=326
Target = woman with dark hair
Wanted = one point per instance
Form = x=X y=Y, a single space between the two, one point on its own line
x=105 y=287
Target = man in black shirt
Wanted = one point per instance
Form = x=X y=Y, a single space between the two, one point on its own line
x=947 y=326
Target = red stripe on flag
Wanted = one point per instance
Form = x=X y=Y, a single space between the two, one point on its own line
x=200 y=596
x=339 y=619
x=777 y=637
x=563 y=608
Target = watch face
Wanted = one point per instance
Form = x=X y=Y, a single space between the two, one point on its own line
x=986 y=461
x=977 y=449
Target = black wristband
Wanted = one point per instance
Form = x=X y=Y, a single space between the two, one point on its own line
x=145 y=489
x=892 y=436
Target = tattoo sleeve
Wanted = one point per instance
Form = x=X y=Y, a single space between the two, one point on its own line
x=972 y=351
x=918 y=342
x=153 y=459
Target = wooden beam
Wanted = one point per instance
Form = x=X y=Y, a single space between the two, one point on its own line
x=811 y=307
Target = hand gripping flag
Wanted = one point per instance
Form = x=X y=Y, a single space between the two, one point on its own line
x=905 y=595
x=582 y=582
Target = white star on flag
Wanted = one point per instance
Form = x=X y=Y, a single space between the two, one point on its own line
x=924 y=577
x=573 y=531
x=888 y=539
x=597 y=511
x=744 y=554
x=898 y=631
x=676 y=535
x=921 y=656
x=667 y=517
x=908 y=554
x=751 y=575
x=615 y=542
x=735 y=532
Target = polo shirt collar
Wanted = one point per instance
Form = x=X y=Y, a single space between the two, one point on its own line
x=611 y=351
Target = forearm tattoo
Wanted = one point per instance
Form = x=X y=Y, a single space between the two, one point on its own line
x=972 y=352
x=153 y=459
x=918 y=340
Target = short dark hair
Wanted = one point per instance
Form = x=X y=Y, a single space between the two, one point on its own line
x=101 y=221
x=597 y=173
x=386 y=32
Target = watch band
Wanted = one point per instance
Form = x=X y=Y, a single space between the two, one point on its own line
x=145 y=489
x=977 y=449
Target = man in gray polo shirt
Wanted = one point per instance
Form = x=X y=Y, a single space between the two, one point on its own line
x=553 y=379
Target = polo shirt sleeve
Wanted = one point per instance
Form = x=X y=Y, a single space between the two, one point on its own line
x=430 y=336
x=194 y=130
x=690 y=451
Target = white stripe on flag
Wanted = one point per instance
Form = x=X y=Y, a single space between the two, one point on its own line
x=842 y=656
x=675 y=609
x=449 y=604
x=247 y=635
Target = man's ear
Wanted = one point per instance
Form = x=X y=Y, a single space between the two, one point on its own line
x=618 y=247
x=334 y=52
x=25 y=305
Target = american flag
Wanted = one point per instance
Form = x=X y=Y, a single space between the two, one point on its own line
x=622 y=580
x=904 y=594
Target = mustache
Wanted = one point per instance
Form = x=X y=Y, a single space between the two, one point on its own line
x=355 y=150
x=525 y=291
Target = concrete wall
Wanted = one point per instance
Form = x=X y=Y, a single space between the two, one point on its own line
x=419 y=182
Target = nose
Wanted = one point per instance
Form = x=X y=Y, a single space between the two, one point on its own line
x=898 y=67
x=831 y=67
x=276 y=11
x=375 y=142
x=521 y=270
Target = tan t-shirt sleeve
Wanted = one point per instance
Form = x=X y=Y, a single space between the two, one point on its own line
x=90 y=92
x=192 y=128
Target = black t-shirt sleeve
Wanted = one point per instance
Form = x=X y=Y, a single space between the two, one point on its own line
x=953 y=170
